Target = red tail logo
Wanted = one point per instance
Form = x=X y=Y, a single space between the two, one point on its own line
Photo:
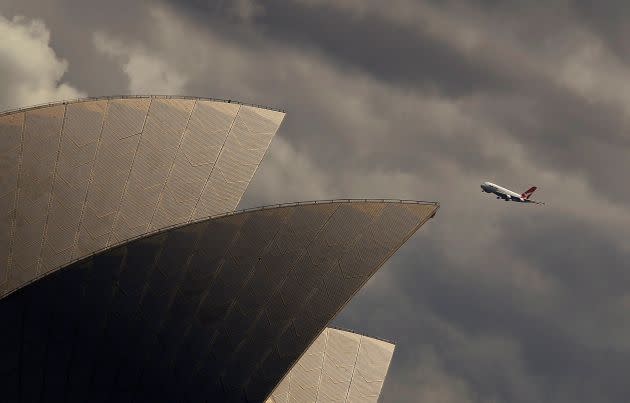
x=529 y=192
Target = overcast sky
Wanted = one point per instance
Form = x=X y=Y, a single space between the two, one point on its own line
x=490 y=301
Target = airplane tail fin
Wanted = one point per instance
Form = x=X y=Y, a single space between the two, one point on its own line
x=529 y=192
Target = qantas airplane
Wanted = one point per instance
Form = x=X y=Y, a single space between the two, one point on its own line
x=508 y=195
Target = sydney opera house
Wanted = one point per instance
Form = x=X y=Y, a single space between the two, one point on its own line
x=126 y=273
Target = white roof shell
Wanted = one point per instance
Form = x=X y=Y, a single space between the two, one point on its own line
x=340 y=366
x=78 y=177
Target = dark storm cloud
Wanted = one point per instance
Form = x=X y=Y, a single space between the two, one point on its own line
x=586 y=258
x=551 y=345
x=559 y=125
x=397 y=54
x=608 y=21
x=570 y=134
x=489 y=300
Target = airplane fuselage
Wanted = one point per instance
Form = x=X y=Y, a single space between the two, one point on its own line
x=502 y=193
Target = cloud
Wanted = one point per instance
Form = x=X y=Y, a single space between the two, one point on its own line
x=549 y=90
x=281 y=177
x=246 y=10
x=435 y=385
x=148 y=73
x=30 y=71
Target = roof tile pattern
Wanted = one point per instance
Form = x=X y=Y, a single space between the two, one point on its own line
x=218 y=310
x=82 y=176
x=339 y=366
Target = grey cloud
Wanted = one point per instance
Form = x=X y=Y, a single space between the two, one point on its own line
x=72 y=24
x=608 y=20
x=585 y=258
x=146 y=73
x=398 y=54
x=490 y=84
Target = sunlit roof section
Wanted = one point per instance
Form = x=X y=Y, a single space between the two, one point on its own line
x=340 y=366
x=78 y=177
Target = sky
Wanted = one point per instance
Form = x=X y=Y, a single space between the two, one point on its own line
x=490 y=301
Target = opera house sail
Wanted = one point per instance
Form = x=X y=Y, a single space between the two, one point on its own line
x=81 y=176
x=340 y=366
x=127 y=275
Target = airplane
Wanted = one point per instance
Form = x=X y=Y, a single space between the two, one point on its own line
x=508 y=195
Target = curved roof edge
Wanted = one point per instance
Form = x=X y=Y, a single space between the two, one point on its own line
x=108 y=97
x=340 y=308
x=247 y=210
x=327 y=201
x=343 y=329
x=97 y=172
x=276 y=277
